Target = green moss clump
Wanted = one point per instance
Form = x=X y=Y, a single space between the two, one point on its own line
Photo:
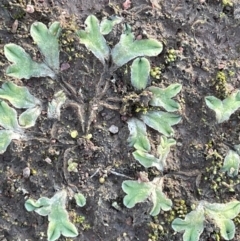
x=220 y=84
x=170 y=56
x=81 y=220
x=226 y=3
x=155 y=72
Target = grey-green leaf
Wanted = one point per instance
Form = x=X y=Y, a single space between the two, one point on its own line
x=47 y=41
x=107 y=24
x=161 y=121
x=18 y=96
x=164 y=149
x=140 y=70
x=128 y=48
x=223 y=210
x=227 y=228
x=69 y=230
x=160 y=201
x=136 y=192
x=58 y=218
x=6 y=136
x=192 y=225
x=8 y=117
x=222 y=215
x=224 y=109
x=139 y=191
x=23 y=66
x=147 y=160
x=31 y=205
x=53 y=232
x=138 y=135
x=29 y=117
x=43 y=211
x=162 y=97
x=93 y=39
x=231 y=164
x=80 y=199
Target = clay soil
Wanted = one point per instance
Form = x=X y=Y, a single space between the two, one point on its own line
x=206 y=38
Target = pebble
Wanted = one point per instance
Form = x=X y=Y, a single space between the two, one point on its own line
x=113 y=129
x=26 y=172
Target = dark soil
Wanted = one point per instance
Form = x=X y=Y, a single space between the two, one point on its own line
x=206 y=37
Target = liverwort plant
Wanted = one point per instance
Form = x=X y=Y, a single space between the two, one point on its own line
x=55 y=209
x=231 y=163
x=158 y=160
x=107 y=24
x=163 y=97
x=159 y=120
x=143 y=189
x=224 y=109
x=19 y=97
x=47 y=41
x=140 y=70
x=127 y=49
x=25 y=67
x=138 y=135
x=162 y=122
x=220 y=214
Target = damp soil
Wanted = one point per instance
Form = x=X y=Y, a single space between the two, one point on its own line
x=206 y=38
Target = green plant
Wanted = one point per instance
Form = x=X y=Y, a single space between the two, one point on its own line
x=14 y=127
x=92 y=37
x=47 y=41
x=170 y=56
x=148 y=160
x=126 y=50
x=231 y=164
x=163 y=97
x=140 y=70
x=55 y=209
x=138 y=135
x=158 y=120
x=220 y=214
x=72 y=166
x=224 y=109
x=107 y=24
x=155 y=72
x=139 y=191
x=149 y=114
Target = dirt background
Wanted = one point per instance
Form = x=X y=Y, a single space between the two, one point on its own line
x=206 y=38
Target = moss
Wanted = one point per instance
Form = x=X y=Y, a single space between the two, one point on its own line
x=220 y=84
x=226 y=3
x=170 y=56
x=155 y=72
x=80 y=220
x=217 y=180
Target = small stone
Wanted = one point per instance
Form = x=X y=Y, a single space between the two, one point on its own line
x=65 y=66
x=15 y=26
x=113 y=129
x=101 y=180
x=48 y=160
x=30 y=8
x=26 y=172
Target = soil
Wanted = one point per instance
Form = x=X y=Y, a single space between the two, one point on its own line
x=206 y=38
